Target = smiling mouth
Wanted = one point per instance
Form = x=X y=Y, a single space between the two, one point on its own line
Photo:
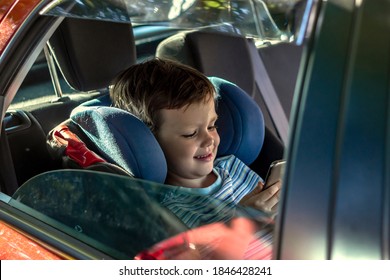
x=204 y=157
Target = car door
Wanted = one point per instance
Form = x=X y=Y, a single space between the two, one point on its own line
x=337 y=190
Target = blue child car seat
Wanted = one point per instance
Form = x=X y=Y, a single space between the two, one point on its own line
x=124 y=140
x=240 y=122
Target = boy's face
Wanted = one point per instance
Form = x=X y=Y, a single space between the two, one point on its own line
x=189 y=139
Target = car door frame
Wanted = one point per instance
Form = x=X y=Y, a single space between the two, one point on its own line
x=336 y=196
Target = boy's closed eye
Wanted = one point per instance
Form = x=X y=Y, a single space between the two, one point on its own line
x=191 y=135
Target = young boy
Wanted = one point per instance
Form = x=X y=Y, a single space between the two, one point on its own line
x=178 y=104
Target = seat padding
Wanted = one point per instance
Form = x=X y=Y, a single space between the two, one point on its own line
x=240 y=122
x=123 y=139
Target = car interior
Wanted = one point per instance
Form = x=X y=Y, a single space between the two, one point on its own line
x=91 y=57
x=55 y=76
x=126 y=142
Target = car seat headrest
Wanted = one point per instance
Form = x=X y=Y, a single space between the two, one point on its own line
x=202 y=50
x=91 y=53
x=123 y=139
x=240 y=122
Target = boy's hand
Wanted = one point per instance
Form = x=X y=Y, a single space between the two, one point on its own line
x=265 y=200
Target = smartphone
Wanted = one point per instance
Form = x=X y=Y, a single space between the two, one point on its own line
x=275 y=173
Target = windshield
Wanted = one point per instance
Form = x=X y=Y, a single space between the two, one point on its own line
x=268 y=20
x=118 y=215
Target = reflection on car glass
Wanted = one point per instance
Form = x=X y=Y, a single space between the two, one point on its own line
x=114 y=210
x=121 y=213
x=273 y=21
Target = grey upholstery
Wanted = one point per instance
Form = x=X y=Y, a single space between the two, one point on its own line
x=202 y=50
x=91 y=53
x=208 y=51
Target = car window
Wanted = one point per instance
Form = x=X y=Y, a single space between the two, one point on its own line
x=118 y=215
x=249 y=18
x=268 y=21
x=38 y=87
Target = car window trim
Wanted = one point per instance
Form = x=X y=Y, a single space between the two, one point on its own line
x=57 y=241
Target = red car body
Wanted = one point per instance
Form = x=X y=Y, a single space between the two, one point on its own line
x=14 y=245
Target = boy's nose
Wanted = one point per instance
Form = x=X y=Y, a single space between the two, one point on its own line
x=209 y=141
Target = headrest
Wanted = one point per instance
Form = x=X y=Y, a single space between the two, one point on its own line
x=240 y=122
x=202 y=50
x=91 y=53
x=123 y=139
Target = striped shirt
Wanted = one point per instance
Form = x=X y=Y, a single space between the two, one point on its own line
x=217 y=203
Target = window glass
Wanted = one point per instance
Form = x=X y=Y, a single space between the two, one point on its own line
x=270 y=21
x=247 y=17
x=37 y=87
x=118 y=215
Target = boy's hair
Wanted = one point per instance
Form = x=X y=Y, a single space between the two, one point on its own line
x=145 y=88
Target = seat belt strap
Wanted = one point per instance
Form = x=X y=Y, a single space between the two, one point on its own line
x=267 y=90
